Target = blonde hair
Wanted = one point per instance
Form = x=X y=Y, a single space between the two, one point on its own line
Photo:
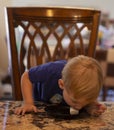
x=83 y=76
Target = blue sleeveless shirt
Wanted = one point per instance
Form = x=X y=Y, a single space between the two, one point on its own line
x=45 y=81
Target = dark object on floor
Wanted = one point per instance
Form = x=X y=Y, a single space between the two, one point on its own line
x=63 y=112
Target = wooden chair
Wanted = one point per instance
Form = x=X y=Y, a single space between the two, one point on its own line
x=109 y=76
x=48 y=34
x=106 y=59
x=101 y=56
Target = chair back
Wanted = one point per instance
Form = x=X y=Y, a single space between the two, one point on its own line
x=41 y=34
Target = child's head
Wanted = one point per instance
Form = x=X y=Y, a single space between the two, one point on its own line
x=82 y=78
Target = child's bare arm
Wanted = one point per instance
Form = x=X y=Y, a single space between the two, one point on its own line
x=27 y=91
x=95 y=108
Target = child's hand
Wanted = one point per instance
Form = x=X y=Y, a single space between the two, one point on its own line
x=25 y=108
x=96 y=109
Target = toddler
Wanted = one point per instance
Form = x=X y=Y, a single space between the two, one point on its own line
x=76 y=83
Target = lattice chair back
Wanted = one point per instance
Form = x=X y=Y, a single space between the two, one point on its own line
x=42 y=34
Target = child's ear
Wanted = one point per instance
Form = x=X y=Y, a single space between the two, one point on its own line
x=61 y=83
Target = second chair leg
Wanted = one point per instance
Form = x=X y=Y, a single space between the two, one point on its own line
x=104 y=95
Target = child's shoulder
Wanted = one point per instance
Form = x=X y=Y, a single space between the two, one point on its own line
x=54 y=63
x=50 y=65
x=60 y=62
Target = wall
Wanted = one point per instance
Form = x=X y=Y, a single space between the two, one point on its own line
x=3 y=45
x=106 y=5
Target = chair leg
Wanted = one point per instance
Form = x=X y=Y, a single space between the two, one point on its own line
x=105 y=89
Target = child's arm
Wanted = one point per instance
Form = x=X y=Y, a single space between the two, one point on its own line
x=95 y=108
x=27 y=91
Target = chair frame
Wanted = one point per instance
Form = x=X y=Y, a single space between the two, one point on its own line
x=44 y=13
